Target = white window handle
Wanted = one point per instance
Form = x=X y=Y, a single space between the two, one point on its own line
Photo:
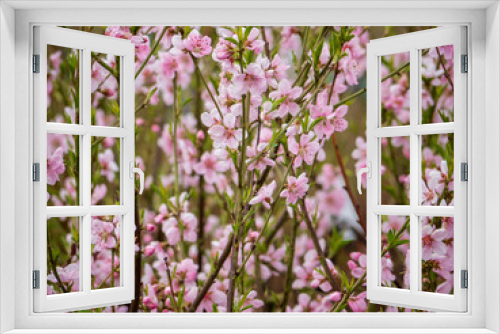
x=133 y=170
x=361 y=171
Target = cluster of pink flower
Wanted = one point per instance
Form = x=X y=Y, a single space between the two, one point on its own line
x=245 y=118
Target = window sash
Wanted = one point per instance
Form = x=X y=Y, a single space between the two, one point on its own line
x=413 y=43
x=86 y=43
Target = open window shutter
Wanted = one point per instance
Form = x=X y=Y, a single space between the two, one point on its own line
x=83 y=238
x=432 y=218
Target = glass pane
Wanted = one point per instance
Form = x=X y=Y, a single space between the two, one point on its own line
x=395 y=252
x=395 y=90
x=437 y=254
x=395 y=169
x=63 y=85
x=105 y=252
x=437 y=85
x=105 y=171
x=105 y=87
x=63 y=168
x=437 y=170
x=63 y=255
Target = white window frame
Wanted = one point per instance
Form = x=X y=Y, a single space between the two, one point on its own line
x=413 y=44
x=484 y=102
x=84 y=44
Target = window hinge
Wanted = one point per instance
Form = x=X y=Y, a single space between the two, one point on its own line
x=464 y=172
x=464 y=279
x=36 y=172
x=465 y=64
x=36 y=279
x=36 y=63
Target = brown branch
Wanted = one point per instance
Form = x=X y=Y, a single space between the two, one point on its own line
x=289 y=273
x=134 y=306
x=347 y=186
x=153 y=49
x=317 y=246
x=107 y=67
x=201 y=182
x=363 y=90
x=266 y=43
x=54 y=269
x=169 y=275
x=213 y=275
x=281 y=221
x=446 y=73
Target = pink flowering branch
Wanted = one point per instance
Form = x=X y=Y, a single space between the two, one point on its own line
x=134 y=306
x=317 y=246
x=153 y=50
x=344 y=302
x=363 y=90
x=446 y=72
x=347 y=185
x=213 y=275
x=291 y=257
x=171 y=286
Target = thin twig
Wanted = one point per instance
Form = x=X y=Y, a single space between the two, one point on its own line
x=347 y=185
x=317 y=246
x=153 y=49
x=169 y=275
x=213 y=275
x=107 y=67
x=363 y=90
x=134 y=306
x=291 y=257
x=446 y=73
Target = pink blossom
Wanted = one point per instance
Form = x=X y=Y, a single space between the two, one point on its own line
x=149 y=250
x=197 y=44
x=264 y=195
x=253 y=43
x=387 y=277
x=357 y=264
x=102 y=234
x=98 y=193
x=108 y=164
x=349 y=66
x=432 y=242
x=226 y=134
x=210 y=166
x=358 y=303
x=320 y=279
x=296 y=188
x=285 y=90
x=213 y=297
x=55 y=166
x=172 y=228
x=305 y=150
x=225 y=50
x=252 y=80
x=167 y=64
x=261 y=159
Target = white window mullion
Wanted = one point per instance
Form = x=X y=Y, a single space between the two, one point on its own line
x=128 y=157
x=414 y=170
x=67 y=129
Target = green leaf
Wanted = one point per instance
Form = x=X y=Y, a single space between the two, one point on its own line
x=232 y=40
x=316 y=122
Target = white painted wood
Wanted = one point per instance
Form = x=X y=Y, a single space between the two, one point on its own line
x=85 y=43
x=419 y=129
x=7 y=166
x=414 y=42
x=491 y=162
x=471 y=322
